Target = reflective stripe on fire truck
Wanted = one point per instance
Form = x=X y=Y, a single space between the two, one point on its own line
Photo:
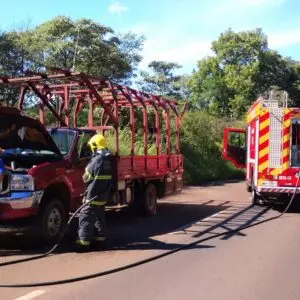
x=254 y=111
x=263 y=149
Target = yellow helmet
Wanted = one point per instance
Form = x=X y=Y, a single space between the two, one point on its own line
x=97 y=142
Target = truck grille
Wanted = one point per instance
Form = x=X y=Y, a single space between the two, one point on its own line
x=4 y=184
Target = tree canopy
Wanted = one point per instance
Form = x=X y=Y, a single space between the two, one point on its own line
x=82 y=45
x=163 y=81
x=225 y=84
x=241 y=68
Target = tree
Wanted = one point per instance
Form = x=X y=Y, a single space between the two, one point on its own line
x=11 y=64
x=82 y=45
x=242 y=68
x=163 y=82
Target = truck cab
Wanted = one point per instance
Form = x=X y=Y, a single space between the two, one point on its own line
x=42 y=177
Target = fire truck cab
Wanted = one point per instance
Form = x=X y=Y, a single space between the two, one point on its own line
x=269 y=148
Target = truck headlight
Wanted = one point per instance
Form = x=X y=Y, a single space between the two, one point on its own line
x=20 y=182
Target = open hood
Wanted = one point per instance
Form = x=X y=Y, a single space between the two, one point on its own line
x=19 y=131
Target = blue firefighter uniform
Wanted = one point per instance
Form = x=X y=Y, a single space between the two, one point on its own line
x=2 y=167
x=97 y=176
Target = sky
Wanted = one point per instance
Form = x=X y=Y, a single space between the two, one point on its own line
x=179 y=31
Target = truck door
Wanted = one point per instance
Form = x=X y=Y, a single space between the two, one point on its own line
x=84 y=155
x=234 y=146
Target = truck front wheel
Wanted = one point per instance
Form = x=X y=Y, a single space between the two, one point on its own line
x=52 y=219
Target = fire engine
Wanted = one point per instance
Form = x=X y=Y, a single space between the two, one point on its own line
x=269 y=148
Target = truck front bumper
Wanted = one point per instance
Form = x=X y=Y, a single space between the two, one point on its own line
x=22 y=200
x=19 y=205
x=18 y=212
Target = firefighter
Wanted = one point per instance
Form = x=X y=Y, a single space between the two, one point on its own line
x=97 y=177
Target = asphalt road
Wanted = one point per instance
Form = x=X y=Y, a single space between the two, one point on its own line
x=257 y=263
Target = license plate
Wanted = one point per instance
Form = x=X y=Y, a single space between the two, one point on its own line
x=269 y=183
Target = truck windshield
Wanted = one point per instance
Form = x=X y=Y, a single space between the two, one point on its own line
x=63 y=139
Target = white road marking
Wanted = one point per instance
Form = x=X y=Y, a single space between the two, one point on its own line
x=31 y=295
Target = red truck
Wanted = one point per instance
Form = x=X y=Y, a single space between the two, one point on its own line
x=42 y=178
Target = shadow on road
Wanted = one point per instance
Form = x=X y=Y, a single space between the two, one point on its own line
x=236 y=221
x=126 y=230
x=294 y=208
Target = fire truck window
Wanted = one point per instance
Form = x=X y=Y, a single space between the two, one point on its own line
x=295 y=146
x=236 y=139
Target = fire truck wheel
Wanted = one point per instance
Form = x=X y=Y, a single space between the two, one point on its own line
x=150 y=200
x=52 y=219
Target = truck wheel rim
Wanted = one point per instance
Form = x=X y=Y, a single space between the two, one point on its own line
x=54 y=222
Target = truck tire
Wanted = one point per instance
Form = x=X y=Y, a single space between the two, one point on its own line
x=145 y=199
x=150 y=200
x=52 y=219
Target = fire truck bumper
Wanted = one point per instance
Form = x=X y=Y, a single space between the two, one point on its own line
x=279 y=190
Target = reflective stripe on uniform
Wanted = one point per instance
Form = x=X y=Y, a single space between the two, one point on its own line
x=98 y=202
x=83 y=243
x=88 y=176
x=99 y=238
x=103 y=177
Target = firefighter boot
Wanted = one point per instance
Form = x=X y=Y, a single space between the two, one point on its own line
x=82 y=246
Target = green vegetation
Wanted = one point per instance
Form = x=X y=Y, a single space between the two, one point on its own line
x=241 y=68
x=201 y=145
x=82 y=45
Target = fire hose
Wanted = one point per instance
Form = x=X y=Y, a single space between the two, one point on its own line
x=60 y=238
x=135 y=264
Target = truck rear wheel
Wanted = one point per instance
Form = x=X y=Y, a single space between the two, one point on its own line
x=52 y=219
x=150 y=200
x=145 y=199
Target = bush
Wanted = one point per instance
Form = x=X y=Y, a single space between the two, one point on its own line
x=201 y=145
x=125 y=143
